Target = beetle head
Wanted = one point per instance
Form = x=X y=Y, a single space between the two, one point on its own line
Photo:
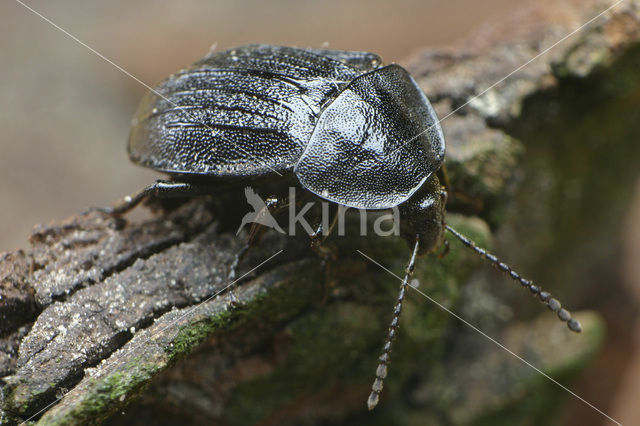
x=423 y=215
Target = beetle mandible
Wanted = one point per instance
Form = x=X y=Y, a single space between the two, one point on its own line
x=351 y=130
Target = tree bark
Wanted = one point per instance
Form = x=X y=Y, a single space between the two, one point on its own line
x=102 y=313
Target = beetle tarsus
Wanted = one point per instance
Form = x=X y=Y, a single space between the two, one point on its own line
x=160 y=189
x=445 y=251
x=129 y=202
x=231 y=278
x=233 y=302
x=544 y=297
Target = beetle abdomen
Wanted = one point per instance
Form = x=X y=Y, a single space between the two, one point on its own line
x=242 y=112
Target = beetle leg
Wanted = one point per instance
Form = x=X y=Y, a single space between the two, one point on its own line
x=318 y=238
x=233 y=269
x=160 y=188
x=324 y=253
x=444 y=251
x=444 y=177
x=381 y=371
x=273 y=204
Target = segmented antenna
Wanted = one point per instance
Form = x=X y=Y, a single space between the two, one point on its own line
x=381 y=371
x=544 y=296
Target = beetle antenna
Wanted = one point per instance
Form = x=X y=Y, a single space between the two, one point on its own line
x=381 y=371
x=545 y=297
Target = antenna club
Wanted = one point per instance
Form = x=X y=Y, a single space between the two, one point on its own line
x=574 y=325
x=373 y=400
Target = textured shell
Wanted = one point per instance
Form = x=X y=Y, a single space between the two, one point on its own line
x=249 y=111
x=375 y=144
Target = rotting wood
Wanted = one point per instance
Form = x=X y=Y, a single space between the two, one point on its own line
x=100 y=309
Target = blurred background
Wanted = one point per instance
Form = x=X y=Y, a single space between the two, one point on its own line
x=65 y=113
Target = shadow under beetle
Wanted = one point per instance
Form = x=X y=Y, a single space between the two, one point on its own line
x=351 y=130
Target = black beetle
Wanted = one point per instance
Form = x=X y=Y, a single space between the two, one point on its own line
x=352 y=130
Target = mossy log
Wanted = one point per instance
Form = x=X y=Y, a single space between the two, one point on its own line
x=105 y=319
